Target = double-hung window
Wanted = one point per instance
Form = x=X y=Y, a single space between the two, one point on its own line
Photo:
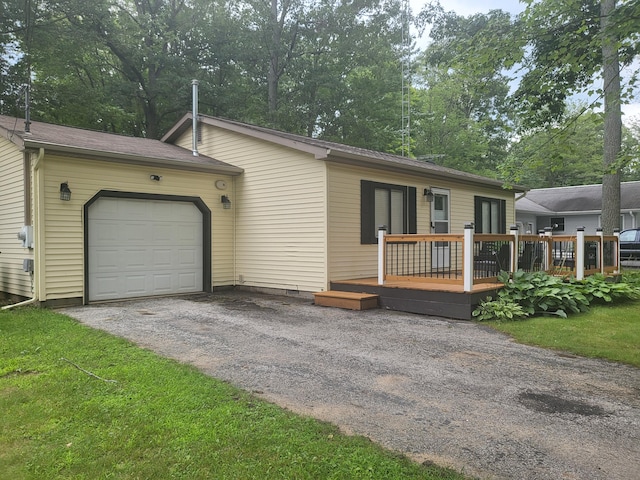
x=385 y=204
x=490 y=215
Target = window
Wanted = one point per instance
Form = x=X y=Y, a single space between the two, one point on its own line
x=490 y=215
x=386 y=204
x=556 y=224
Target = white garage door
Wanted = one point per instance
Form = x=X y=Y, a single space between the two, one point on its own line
x=143 y=247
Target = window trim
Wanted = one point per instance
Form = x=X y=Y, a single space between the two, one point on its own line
x=368 y=228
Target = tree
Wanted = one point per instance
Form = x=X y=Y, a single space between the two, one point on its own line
x=569 y=42
x=569 y=153
x=323 y=68
x=459 y=115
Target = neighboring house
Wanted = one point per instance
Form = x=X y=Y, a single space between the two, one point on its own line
x=256 y=207
x=564 y=209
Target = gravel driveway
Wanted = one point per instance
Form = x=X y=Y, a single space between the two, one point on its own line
x=450 y=392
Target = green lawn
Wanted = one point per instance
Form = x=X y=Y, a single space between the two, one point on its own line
x=143 y=416
x=606 y=331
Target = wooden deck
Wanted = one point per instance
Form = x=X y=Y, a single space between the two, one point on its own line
x=427 y=298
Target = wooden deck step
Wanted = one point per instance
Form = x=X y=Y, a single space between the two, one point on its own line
x=348 y=300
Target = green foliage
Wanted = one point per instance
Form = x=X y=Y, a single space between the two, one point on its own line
x=598 y=289
x=558 y=156
x=154 y=418
x=539 y=293
x=460 y=116
x=500 y=309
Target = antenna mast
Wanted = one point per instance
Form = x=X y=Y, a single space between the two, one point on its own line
x=27 y=92
x=406 y=78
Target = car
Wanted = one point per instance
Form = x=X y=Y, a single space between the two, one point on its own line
x=630 y=244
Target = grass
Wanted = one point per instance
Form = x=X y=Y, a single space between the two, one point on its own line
x=156 y=419
x=610 y=332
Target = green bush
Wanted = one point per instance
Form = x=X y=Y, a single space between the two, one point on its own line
x=538 y=293
x=499 y=309
x=598 y=289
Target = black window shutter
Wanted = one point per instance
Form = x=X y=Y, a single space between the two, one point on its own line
x=367 y=218
x=503 y=216
x=477 y=201
x=411 y=211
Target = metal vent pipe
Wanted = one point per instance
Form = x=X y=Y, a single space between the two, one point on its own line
x=194 y=132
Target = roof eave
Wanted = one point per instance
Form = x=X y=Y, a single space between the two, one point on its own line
x=133 y=159
x=365 y=161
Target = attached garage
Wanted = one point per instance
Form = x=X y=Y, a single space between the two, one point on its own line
x=143 y=245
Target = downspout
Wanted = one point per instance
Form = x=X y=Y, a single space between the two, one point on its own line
x=36 y=229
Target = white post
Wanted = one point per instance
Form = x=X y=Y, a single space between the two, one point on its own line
x=382 y=230
x=514 y=248
x=616 y=254
x=548 y=249
x=467 y=257
x=580 y=254
x=600 y=251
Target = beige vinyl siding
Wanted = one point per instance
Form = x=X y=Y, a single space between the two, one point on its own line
x=13 y=279
x=64 y=229
x=280 y=211
x=348 y=259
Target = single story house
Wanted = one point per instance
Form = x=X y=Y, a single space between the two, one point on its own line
x=564 y=209
x=104 y=217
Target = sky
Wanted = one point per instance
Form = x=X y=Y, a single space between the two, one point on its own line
x=469 y=7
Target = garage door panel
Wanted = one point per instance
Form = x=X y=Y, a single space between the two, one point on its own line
x=133 y=258
x=189 y=233
x=164 y=233
x=108 y=287
x=188 y=258
x=163 y=258
x=143 y=247
x=105 y=259
x=187 y=281
x=103 y=233
x=162 y=283
x=135 y=285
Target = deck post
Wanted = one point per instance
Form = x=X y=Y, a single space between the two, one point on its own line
x=467 y=257
x=580 y=254
x=548 y=251
x=616 y=233
x=382 y=230
x=600 y=252
x=513 y=229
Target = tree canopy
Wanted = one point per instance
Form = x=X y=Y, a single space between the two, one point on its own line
x=491 y=92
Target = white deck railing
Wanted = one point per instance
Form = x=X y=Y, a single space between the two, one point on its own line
x=471 y=258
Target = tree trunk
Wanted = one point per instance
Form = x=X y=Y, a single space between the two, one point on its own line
x=612 y=121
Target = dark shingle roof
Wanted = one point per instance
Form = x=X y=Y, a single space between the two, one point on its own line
x=582 y=198
x=327 y=150
x=108 y=146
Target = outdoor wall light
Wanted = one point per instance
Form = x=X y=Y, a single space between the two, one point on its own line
x=65 y=193
x=428 y=195
x=226 y=203
x=155 y=178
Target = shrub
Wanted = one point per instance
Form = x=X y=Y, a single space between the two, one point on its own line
x=598 y=289
x=538 y=293
x=499 y=309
